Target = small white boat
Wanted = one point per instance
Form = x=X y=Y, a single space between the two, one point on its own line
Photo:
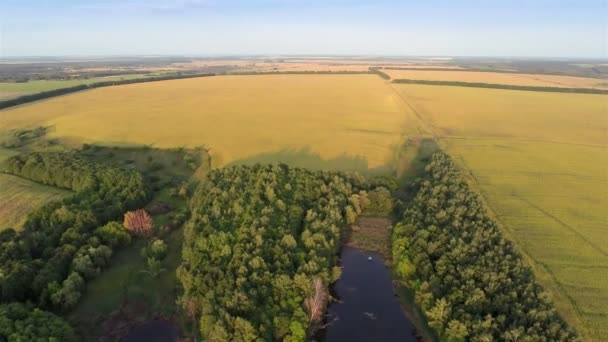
x=369 y=258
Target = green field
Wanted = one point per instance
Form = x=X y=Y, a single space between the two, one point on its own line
x=19 y=196
x=540 y=161
x=12 y=89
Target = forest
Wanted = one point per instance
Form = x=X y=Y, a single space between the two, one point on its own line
x=260 y=251
x=261 y=248
x=470 y=282
x=63 y=244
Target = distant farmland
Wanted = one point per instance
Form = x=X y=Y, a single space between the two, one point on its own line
x=15 y=89
x=539 y=160
x=349 y=122
x=499 y=78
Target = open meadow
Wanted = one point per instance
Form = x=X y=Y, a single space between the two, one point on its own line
x=18 y=196
x=539 y=160
x=347 y=122
x=522 y=79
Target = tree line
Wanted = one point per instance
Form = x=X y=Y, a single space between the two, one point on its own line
x=504 y=86
x=63 y=91
x=260 y=250
x=302 y=72
x=67 y=242
x=377 y=71
x=469 y=281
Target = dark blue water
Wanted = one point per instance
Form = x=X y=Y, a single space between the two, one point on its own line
x=368 y=309
x=153 y=331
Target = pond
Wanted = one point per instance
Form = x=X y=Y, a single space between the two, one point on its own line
x=367 y=308
x=153 y=331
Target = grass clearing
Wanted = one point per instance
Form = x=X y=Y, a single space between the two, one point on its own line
x=124 y=294
x=539 y=160
x=19 y=196
x=352 y=122
x=499 y=78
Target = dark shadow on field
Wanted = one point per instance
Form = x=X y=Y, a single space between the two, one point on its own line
x=306 y=158
x=415 y=155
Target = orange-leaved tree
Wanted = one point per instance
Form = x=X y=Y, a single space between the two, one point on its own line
x=138 y=222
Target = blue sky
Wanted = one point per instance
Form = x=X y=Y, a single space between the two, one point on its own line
x=533 y=28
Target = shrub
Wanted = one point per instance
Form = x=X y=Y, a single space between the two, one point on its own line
x=113 y=234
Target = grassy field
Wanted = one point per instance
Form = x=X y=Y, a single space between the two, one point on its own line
x=19 y=196
x=500 y=78
x=11 y=89
x=350 y=122
x=540 y=161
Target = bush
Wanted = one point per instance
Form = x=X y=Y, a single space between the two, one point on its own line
x=114 y=235
x=19 y=322
x=156 y=249
x=380 y=202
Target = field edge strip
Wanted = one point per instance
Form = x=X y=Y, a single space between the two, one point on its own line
x=503 y=86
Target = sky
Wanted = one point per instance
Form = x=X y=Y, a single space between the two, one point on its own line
x=520 y=28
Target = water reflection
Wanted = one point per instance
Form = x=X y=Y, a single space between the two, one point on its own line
x=367 y=309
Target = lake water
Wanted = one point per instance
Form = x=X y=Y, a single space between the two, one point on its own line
x=153 y=331
x=368 y=309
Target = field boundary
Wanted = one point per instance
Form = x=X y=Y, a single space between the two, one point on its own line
x=68 y=90
x=502 y=71
x=278 y=72
x=502 y=86
x=377 y=71
x=523 y=140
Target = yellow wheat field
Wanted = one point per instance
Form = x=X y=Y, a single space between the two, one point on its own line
x=500 y=78
x=352 y=121
x=540 y=160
